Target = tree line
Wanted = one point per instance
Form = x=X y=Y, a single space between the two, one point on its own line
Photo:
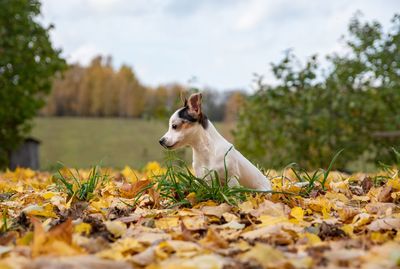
x=100 y=90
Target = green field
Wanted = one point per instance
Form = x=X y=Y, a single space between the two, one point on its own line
x=114 y=142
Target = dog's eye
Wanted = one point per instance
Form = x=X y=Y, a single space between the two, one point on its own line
x=174 y=126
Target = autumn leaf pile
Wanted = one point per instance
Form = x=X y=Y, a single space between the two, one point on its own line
x=353 y=221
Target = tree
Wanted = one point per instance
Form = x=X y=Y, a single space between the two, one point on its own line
x=234 y=103
x=313 y=112
x=28 y=62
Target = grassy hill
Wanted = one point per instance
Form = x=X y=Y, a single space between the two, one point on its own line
x=114 y=142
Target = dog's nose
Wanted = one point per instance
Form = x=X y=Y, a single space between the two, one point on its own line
x=161 y=141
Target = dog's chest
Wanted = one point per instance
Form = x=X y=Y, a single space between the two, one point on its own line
x=215 y=161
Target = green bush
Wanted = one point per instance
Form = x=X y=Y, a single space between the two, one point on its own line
x=313 y=112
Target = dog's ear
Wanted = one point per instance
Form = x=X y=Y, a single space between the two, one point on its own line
x=194 y=104
x=184 y=99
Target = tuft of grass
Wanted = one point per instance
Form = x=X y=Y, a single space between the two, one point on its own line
x=319 y=176
x=75 y=186
x=179 y=187
x=391 y=171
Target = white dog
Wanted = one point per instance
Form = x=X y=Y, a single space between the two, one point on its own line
x=188 y=126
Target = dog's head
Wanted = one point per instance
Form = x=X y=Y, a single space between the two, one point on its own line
x=185 y=124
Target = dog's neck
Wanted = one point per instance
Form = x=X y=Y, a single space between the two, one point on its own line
x=207 y=144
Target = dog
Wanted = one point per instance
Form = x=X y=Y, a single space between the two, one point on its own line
x=188 y=126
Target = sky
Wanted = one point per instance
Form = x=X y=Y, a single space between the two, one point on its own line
x=220 y=43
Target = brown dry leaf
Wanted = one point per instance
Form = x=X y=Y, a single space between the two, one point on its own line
x=145 y=257
x=347 y=213
x=271 y=209
x=340 y=187
x=217 y=211
x=361 y=220
x=122 y=249
x=207 y=261
x=367 y=184
x=193 y=223
x=213 y=240
x=387 y=223
x=130 y=190
x=264 y=255
x=57 y=241
x=77 y=262
x=384 y=256
x=182 y=249
x=155 y=196
x=149 y=238
x=267 y=231
x=340 y=255
x=384 y=194
x=380 y=208
x=167 y=223
x=246 y=207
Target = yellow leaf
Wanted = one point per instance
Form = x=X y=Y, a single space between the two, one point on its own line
x=43 y=211
x=246 y=207
x=266 y=255
x=100 y=205
x=312 y=238
x=348 y=229
x=379 y=237
x=394 y=183
x=361 y=219
x=25 y=240
x=167 y=222
x=325 y=213
x=154 y=169
x=267 y=220
x=83 y=228
x=121 y=249
x=117 y=228
x=297 y=213
x=129 y=174
x=57 y=241
x=191 y=197
x=49 y=194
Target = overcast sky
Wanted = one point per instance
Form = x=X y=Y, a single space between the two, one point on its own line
x=221 y=42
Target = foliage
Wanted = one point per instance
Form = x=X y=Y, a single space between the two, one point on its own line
x=352 y=223
x=312 y=112
x=28 y=61
x=100 y=90
x=75 y=186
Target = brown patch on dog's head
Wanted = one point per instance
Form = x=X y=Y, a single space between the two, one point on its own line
x=186 y=125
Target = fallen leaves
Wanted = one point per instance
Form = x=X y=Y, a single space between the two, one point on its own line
x=56 y=242
x=354 y=223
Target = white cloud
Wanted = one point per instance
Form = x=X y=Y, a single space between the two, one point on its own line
x=84 y=54
x=253 y=13
x=221 y=42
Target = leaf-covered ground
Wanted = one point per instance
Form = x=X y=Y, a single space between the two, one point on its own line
x=354 y=223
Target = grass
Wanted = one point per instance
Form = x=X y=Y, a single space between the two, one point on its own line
x=112 y=142
x=179 y=187
x=75 y=186
x=311 y=179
